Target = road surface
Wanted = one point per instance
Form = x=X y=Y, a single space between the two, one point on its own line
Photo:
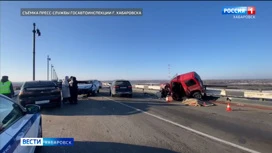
x=142 y=124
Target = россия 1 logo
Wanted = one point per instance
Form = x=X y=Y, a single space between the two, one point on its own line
x=240 y=12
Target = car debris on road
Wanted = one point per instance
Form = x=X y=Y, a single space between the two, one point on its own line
x=196 y=102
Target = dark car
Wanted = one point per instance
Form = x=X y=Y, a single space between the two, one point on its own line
x=121 y=88
x=43 y=93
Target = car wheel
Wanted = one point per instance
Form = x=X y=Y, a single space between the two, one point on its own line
x=112 y=95
x=88 y=94
x=59 y=104
x=197 y=95
x=130 y=95
x=94 y=93
x=97 y=91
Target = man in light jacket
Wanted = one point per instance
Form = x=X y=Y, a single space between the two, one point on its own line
x=65 y=89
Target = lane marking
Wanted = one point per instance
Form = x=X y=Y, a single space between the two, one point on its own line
x=189 y=129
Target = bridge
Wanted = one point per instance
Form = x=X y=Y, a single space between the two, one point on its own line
x=146 y=123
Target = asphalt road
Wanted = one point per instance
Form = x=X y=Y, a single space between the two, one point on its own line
x=142 y=124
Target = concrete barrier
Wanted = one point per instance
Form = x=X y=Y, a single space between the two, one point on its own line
x=154 y=87
x=140 y=86
x=261 y=95
x=224 y=92
x=149 y=91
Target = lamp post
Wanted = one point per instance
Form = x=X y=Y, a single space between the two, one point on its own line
x=54 y=74
x=35 y=31
x=52 y=71
x=48 y=59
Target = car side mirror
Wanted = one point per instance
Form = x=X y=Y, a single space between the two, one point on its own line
x=32 y=109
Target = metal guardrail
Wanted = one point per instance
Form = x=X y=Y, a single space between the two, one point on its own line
x=224 y=92
x=220 y=86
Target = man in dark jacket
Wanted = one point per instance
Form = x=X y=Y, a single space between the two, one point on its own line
x=74 y=90
x=6 y=87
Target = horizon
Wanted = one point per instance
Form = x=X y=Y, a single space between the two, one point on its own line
x=203 y=40
x=169 y=79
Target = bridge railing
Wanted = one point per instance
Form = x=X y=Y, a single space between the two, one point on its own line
x=218 y=90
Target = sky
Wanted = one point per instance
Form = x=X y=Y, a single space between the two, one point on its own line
x=188 y=36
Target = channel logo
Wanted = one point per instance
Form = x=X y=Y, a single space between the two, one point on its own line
x=47 y=141
x=239 y=10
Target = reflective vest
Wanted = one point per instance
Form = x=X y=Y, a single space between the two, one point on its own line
x=5 y=87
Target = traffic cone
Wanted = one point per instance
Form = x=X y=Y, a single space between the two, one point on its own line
x=228 y=108
x=169 y=99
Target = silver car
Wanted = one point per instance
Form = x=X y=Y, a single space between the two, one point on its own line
x=121 y=88
x=17 y=122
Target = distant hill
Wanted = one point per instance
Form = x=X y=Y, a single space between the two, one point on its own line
x=143 y=81
x=264 y=84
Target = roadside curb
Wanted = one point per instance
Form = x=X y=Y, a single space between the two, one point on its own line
x=243 y=105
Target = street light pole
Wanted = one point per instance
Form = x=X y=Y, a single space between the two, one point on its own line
x=55 y=74
x=57 y=78
x=52 y=72
x=53 y=78
x=48 y=59
x=34 y=37
x=34 y=45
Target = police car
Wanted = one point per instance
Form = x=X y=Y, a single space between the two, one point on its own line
x=18 y=122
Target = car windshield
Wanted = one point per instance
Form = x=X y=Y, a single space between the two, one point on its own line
x=9 y=113
x=122 y=83
x=197 y=77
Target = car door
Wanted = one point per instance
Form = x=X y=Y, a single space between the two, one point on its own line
x=28 y=129
x=5 y=145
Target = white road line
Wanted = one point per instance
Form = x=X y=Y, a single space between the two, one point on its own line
x=189 y=129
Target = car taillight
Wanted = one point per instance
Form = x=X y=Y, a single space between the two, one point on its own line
x=24 y=93
x=129 y=86
x=116 y=86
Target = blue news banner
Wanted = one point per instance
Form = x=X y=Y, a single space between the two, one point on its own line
x=47 y=141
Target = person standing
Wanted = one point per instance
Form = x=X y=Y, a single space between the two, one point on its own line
x=65 y=89
x=6 y=87
x=70 y=87
x=74 y=90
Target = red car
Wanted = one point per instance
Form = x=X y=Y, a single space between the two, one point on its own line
x=187 y=85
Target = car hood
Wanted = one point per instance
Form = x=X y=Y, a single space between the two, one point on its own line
x=84 y=86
